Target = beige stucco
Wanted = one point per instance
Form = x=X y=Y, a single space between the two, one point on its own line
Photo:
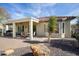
x=67 y=29
x=2 y=26
x=42 y=30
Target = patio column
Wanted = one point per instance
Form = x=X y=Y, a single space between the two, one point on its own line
x=31 y=29
x=2 y=30
x=7 y=27
x=14 y=30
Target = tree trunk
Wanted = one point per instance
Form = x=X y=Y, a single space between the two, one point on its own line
x=49 y=36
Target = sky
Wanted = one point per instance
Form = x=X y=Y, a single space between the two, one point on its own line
x=21 y=10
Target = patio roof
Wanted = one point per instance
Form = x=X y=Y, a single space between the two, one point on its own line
x=59 y=18
x=26 y=19
x=41 y=19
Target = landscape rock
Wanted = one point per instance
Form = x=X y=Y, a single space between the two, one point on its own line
x=8 y=51
x=40 y=50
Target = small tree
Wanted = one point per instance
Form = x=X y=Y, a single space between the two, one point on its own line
x=3 y=18
x=77 y=34
x=3 y=15
x=52 y=25
x=77 y=23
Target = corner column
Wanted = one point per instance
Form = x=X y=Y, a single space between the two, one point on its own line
x=62 y=35
x=31 y=29
x=14 y=30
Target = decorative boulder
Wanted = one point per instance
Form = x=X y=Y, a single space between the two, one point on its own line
x=40 y=50
x=8 y=51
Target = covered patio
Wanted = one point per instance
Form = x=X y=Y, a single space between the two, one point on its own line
x=27 y=28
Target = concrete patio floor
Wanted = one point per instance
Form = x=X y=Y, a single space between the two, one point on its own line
x=6 y=43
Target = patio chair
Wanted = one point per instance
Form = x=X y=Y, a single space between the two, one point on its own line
x=24 y=35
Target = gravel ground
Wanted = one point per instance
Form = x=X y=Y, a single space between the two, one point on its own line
x=23 y=51
x=60 y=52
x=63 y=48
x=57 y=48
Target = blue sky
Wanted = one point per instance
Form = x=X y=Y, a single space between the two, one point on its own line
x=20 y=10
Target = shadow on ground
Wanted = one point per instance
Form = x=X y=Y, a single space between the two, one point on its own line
x=28 y=54
x=65 y=45
x=35 y=42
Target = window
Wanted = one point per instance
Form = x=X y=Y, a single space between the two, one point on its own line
x=63 y=27
x=19 y=29
x=22 y=28
x=44 y=28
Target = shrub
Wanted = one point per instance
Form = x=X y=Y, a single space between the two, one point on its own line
x=77 y=36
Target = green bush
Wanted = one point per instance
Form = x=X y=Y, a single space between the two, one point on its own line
x=77 y=36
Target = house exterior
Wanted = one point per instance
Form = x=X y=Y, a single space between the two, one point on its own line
x=41 y=26
x=63 y=27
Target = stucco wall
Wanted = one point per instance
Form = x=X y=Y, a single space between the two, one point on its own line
x=1 y=26
x=67 y=29
x=42 y=30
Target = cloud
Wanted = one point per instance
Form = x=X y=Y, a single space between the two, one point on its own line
x=36 y=10
x=17 y=16
x=43 y=9
x=74 y=13
x=43 y=4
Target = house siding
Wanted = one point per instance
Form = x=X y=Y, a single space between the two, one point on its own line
x=67 y=29
x=42 y=30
